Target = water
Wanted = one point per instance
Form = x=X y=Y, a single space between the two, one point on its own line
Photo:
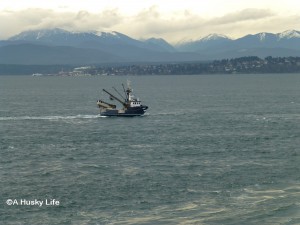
x=218 y=149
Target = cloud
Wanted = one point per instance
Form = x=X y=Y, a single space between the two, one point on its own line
x=186 y=24
x=149 y=22
x=152 y=23
x=14 y=22
x=243 y=15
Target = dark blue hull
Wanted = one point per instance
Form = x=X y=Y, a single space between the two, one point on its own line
x=129 y=112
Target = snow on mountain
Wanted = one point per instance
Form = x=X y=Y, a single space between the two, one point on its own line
x=65 y=38
x=214 y=37
x=203 y=43
x=32 y=35
x=60 y=34
x=289 y=34
x=107 y=34
x=262 y=36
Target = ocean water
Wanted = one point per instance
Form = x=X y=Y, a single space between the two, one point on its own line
x=215 y=149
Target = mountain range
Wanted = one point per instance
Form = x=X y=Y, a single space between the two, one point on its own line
x=58 y=46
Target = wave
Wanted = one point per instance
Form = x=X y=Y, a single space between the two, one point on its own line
x=49 y=117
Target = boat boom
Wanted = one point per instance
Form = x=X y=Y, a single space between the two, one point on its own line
x=114 y=97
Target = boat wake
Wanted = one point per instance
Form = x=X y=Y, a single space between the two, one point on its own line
x=49 y=117
x=168 y=113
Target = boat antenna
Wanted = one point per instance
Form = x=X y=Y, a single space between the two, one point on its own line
x=119 y=93
x=129 y=84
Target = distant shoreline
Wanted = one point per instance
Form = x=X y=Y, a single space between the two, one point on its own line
x=243 y=65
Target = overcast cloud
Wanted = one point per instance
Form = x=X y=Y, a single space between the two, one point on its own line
x=150 y=22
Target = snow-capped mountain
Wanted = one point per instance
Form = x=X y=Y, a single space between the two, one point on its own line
x=113 y=44
x=217 y=42
x=58 y=45
x=62 y=37
x=270 y=37
x=214 y=37
x=287 y=40
x=289 y=34
x=93 y=39
x=109 y=40
x=43 y=34
x=203 y=43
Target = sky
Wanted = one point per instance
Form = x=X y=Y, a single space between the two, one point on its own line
x=173 y=20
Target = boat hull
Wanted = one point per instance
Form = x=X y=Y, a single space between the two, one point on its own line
x=129 y=112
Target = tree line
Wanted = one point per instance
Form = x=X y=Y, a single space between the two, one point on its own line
x=242 y=65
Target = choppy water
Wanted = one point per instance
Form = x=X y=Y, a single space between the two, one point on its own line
x=210 y=150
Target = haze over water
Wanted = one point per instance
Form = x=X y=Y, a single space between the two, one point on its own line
x=215 y=149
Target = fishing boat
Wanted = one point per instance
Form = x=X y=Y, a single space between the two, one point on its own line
x=131 y=106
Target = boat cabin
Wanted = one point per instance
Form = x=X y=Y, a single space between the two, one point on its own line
x=135 y=103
